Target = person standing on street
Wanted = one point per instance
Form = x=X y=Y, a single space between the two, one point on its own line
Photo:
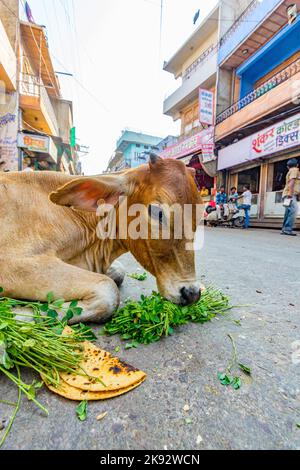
x=246 y=206
x=290 y=196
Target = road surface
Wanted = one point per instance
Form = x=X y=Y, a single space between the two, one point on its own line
x=260 y=271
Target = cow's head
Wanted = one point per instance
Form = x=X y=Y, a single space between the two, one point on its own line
x=145 y=195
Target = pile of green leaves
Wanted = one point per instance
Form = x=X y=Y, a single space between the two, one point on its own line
x=153 y=317
x=35 y=342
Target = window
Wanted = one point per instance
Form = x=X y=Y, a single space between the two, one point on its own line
x=138 y=145
x=251 y=177
x=146 y=146
x=279 y=176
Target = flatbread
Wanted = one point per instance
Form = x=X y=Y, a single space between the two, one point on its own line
x=100 y=364
x=72 y=393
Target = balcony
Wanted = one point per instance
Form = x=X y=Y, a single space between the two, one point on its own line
x=256 y=25
x=38 y=112
x=202 y=73
x=275 y=93
x=8 y=61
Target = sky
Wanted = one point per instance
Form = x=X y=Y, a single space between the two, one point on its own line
x=115 y=50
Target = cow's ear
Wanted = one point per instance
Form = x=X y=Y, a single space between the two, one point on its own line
x=87 y=193
x=154 y=160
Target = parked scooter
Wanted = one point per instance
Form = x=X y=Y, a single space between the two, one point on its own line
x=236 y=217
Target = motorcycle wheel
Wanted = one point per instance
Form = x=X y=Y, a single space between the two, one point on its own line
x=239 y=222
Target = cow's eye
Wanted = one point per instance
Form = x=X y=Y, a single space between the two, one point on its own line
x=156 y=213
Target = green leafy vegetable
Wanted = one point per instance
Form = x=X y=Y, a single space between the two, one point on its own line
x=81 y=410
x=244 y=368
x=138 y=277
x=153 y=317
x=133 y=344
x=226 y=378
x=38 y=344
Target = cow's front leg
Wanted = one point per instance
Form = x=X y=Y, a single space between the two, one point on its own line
x=33 y=278
x=116 y=272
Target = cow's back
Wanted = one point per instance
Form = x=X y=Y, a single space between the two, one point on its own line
x=30 y=223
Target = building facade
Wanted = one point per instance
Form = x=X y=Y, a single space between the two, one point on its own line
x=247 y=53
x=258 y=105
x=35 y=120
x=195 y=66
x=131 y=150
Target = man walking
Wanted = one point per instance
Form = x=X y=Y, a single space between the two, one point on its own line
x=246 y=206
x=290 y=196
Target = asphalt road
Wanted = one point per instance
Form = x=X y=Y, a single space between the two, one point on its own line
x=259 y=269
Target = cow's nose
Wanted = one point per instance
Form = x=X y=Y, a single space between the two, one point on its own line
x=189 y=295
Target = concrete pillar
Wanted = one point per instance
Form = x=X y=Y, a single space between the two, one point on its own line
x=230 y=11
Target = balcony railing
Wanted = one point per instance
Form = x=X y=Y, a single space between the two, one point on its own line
x=199 y=61
x=30 y=85
x=280 y=77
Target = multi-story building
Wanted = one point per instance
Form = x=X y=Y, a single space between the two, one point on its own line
x=258 y=98
x=35 y=121
x=195 y=66
x=131 y=150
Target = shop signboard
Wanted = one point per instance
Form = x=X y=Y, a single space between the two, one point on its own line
x=38 y=144
x=274 y=139
x=189 y=145
x=206 y=106
x=34 y=143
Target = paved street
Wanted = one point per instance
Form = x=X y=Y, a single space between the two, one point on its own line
x=258 y=269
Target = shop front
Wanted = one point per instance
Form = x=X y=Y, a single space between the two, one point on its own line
x=197 y=151
x=260 y=160
x=39 y=152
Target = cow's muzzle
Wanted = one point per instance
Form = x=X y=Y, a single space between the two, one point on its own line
x=189 y=295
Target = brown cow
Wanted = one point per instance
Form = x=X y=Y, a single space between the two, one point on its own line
x=51 y=243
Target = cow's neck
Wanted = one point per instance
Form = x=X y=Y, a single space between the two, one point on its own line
x=95 y=254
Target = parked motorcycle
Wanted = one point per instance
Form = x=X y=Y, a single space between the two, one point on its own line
x=236 y=217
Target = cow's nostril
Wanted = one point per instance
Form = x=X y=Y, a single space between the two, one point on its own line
x=189 y=295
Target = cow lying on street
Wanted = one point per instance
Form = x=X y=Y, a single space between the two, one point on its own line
x=49 y=241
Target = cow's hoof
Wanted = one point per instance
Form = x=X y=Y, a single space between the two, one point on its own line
x=117 y=273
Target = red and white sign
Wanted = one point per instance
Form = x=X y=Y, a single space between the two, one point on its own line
x=206 y=106
x=208 y=153
x=281 y=136
x=189 y=145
